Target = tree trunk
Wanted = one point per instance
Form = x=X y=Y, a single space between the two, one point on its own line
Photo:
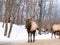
x=40 y=17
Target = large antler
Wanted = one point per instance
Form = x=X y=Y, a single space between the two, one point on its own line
x=24 y=18
x=35 y=11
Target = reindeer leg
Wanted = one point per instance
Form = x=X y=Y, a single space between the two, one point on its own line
x=31 y=37
x=34 y=36
x=39 y=32
x=28 y=36
x=52 y=35
x=59 y=34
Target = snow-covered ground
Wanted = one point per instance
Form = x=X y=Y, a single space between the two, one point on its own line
x=19 y=33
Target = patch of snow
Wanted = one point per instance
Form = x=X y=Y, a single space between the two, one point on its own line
x=19 y=33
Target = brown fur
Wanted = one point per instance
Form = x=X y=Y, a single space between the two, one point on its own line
x=31 y=27
x=45 y=30
x=56 y=30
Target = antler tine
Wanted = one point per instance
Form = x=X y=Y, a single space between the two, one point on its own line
x=33 y=16
x=35 y=11
x=24 y=17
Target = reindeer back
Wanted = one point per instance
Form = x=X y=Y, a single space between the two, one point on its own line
x=56 y=27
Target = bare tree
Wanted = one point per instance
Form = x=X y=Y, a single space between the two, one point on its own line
x=40 y=17
x=9 y=5
x=27 y=7
x=1 y=4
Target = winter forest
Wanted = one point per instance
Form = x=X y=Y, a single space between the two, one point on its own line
x=44 y=12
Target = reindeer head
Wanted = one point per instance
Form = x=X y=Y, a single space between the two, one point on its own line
x=30 y=24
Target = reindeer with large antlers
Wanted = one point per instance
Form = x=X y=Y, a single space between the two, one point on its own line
x=55 y=30
x=31 y=27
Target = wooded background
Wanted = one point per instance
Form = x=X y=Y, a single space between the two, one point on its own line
x=46 y=11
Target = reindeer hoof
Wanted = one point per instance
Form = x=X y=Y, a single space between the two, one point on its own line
x=33 y=40
x=28 y=41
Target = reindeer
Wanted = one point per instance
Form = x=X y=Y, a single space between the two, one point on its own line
x=55 y=30
x=31 y=27
x=45 y=29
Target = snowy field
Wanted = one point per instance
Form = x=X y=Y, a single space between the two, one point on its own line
x=19 y=33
